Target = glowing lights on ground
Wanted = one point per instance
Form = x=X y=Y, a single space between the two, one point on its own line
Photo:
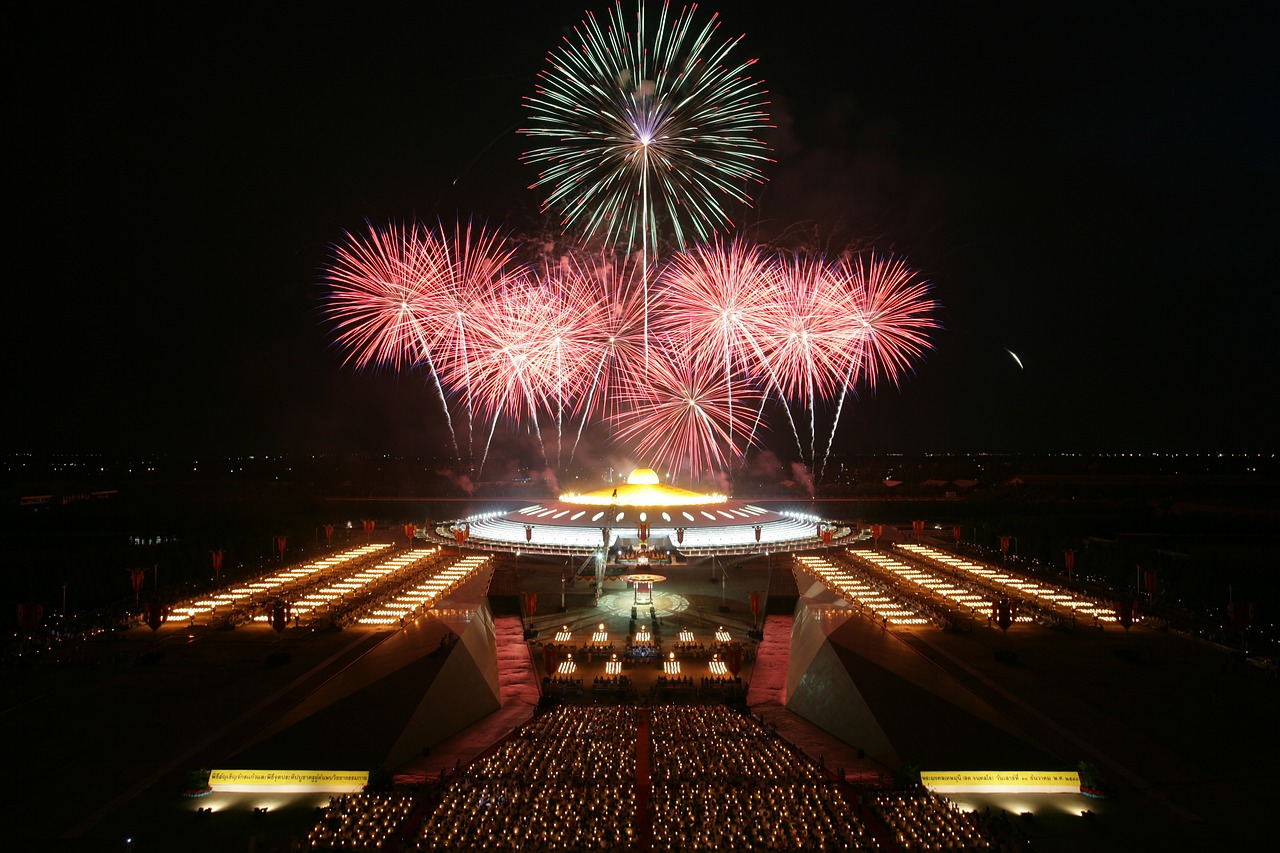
x=424 y=594
x=1016 y=586
x=860 y=591
x=281 y=583
x=960 y=597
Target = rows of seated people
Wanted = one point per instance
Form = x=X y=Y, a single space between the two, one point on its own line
x=712 y=767
x=360 y=821
x=920 y=820
x=565 y=781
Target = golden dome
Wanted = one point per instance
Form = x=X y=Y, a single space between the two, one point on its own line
x=643 y=488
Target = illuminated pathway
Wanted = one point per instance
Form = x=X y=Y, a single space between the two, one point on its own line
x=283 y=583
x=921 y=581
x=861 y=591
x=1063 y=601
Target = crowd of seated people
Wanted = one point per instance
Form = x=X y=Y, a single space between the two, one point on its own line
x=711 y=766
x=565 y=781
x=719 y=779
x=920 y=820
x=612 y=684
x=360 y=821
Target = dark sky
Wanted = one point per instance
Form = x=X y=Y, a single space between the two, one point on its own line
x=1090 y=187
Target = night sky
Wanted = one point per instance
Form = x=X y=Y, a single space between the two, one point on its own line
x=1092 y=187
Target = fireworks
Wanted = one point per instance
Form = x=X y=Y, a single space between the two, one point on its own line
x=646 y=128
x=643 y=132
x=557 y=343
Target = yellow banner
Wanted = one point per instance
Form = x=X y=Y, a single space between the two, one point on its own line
x=1004 y=781
x=280 y=780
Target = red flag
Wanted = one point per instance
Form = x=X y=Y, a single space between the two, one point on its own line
x=1004 y=614
x=409 y=530
x=280 y=615
x=156 y=615
x=604 y=533
x=528 y=533
x=1004 y=544
x=280 y=543
x=877 y=530
x=1070 y=558
x=955 y=531
x=918 y=525
x=1241 y=614
x=136 y=577
x=755 y=603
x=734 y=659
x=459 y=534
x=759 y=530
x=826 y=536
x=217 y=562
x=679 y=535
x=328 y=533
x=1124 y=612
x=1149 y=576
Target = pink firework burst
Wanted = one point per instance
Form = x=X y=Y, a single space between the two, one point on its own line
x=380 y=295
x=892 y=317
x=682 y=415
x=805 y=329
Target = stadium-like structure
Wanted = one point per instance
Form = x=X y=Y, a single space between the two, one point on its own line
x=641 y=522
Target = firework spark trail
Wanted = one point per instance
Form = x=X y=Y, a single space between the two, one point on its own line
x=893 y=316
x=722 y=296
x=805 y=332
x=470 y=266
x=562 y=340
x=380 y=301
x=680 y=416
x=642 y=121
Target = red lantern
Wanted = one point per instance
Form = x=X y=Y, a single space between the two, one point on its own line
x=955 y=531
x=528 y=533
